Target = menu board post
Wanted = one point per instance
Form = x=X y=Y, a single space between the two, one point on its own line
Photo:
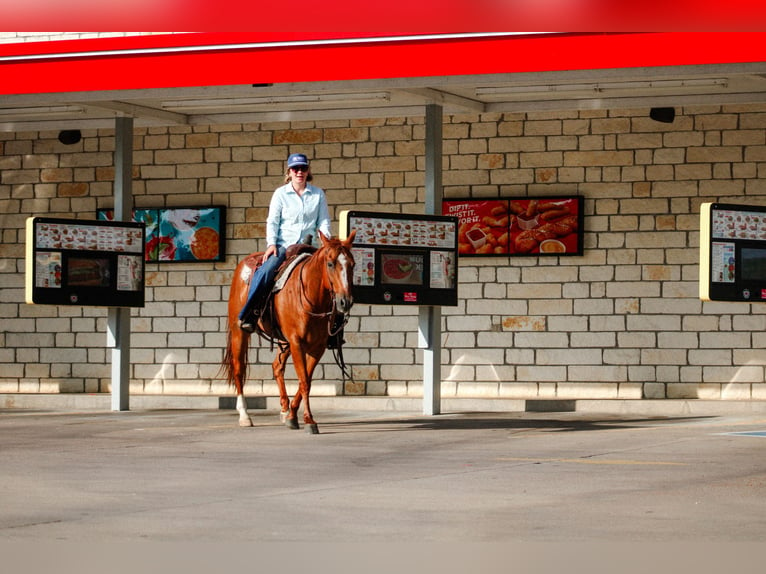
x=732 y=253
x=403 y=259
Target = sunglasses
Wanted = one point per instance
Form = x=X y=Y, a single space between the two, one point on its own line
x=300 y=168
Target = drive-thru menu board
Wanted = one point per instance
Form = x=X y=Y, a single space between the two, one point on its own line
x=403 y=259
x=83 y=262
x=732 y=252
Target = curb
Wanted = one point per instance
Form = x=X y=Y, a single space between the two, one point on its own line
x=652 y=407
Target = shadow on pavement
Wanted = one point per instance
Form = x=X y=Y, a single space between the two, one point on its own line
x=520 y=421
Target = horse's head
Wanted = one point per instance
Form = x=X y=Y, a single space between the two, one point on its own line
x=339 y=269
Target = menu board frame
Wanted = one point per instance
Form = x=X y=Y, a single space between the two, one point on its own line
x=732 y=252
x=548 y=226
x=180 y=234
x=403 y=259
x=84 y=262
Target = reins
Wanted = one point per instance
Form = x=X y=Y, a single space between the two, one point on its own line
x=333 y=312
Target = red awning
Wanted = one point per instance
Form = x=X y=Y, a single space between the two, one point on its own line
x=397 y=17
x=206 y=59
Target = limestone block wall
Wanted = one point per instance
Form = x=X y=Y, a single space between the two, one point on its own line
x=622 y=321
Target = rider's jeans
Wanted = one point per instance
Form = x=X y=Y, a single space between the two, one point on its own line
x=262 y=281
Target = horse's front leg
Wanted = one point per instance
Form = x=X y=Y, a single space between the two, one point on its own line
x=278 y=366
x=305 y=363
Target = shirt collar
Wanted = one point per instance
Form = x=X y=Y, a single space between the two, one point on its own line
x=291 y=189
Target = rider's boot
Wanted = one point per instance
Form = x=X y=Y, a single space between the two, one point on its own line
x=249 y=317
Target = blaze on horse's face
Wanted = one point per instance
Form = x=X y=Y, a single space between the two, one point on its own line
x=340 y=270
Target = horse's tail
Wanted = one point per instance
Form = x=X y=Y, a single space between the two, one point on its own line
x=227 y=367
x=235 y=358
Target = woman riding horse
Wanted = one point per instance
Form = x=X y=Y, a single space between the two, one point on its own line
x=309 y=311
x=297 y=210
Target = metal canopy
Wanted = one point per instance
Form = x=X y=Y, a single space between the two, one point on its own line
x=429 y=96
x=612 y=89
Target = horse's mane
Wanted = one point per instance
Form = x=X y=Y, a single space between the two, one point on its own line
x=330 y=249
x=334 y=244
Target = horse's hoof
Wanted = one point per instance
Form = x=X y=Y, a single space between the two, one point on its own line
x=292 y=424
x=283 y=417
x=246 y=422
x=312 y=429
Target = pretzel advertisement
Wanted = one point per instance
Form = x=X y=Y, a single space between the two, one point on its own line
x=528 y=226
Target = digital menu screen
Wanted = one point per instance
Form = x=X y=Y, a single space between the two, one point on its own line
x=81 y=262
x=401 y=268
x=732 y=252
x=403 y=259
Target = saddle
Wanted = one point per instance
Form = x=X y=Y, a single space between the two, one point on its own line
x=292 y=258
x=268 y=327
x=254 y=260
x=298 y=249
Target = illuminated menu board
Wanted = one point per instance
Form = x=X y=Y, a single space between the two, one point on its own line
x=403 y=259
x=81 y=262
x=732 y=252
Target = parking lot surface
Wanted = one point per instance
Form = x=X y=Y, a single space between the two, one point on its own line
x=194 y=475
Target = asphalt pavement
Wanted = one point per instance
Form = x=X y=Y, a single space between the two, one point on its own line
x=195 y=475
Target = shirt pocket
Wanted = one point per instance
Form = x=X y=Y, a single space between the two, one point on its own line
x=292 y=213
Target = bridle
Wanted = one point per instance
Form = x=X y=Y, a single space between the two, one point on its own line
x=333 y=312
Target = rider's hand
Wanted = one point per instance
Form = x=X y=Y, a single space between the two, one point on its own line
x=270 y=250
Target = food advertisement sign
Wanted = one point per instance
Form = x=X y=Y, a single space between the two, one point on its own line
x=403 y=259
x=732 y=252
x=549 y=226
x=180 y=234
x=82 y=262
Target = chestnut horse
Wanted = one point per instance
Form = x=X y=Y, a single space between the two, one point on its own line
x=299 y=319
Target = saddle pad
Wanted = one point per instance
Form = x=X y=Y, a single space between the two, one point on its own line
x=284 y=275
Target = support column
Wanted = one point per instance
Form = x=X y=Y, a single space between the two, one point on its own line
x=429 y=320
x=118 y=321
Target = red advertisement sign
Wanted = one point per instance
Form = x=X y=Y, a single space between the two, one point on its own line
x=483 y=226
x=528 y=226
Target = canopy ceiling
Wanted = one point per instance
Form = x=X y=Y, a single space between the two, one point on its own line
x=199 y=79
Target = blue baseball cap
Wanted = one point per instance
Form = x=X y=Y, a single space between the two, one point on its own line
x=297 y=159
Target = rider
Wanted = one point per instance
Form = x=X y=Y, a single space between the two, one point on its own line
x=297 y=209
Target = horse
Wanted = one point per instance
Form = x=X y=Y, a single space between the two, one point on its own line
x=300 y=317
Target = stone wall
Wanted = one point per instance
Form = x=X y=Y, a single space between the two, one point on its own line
x=622 y=321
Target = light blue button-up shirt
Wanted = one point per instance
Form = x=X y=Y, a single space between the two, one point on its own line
x=292 y=216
